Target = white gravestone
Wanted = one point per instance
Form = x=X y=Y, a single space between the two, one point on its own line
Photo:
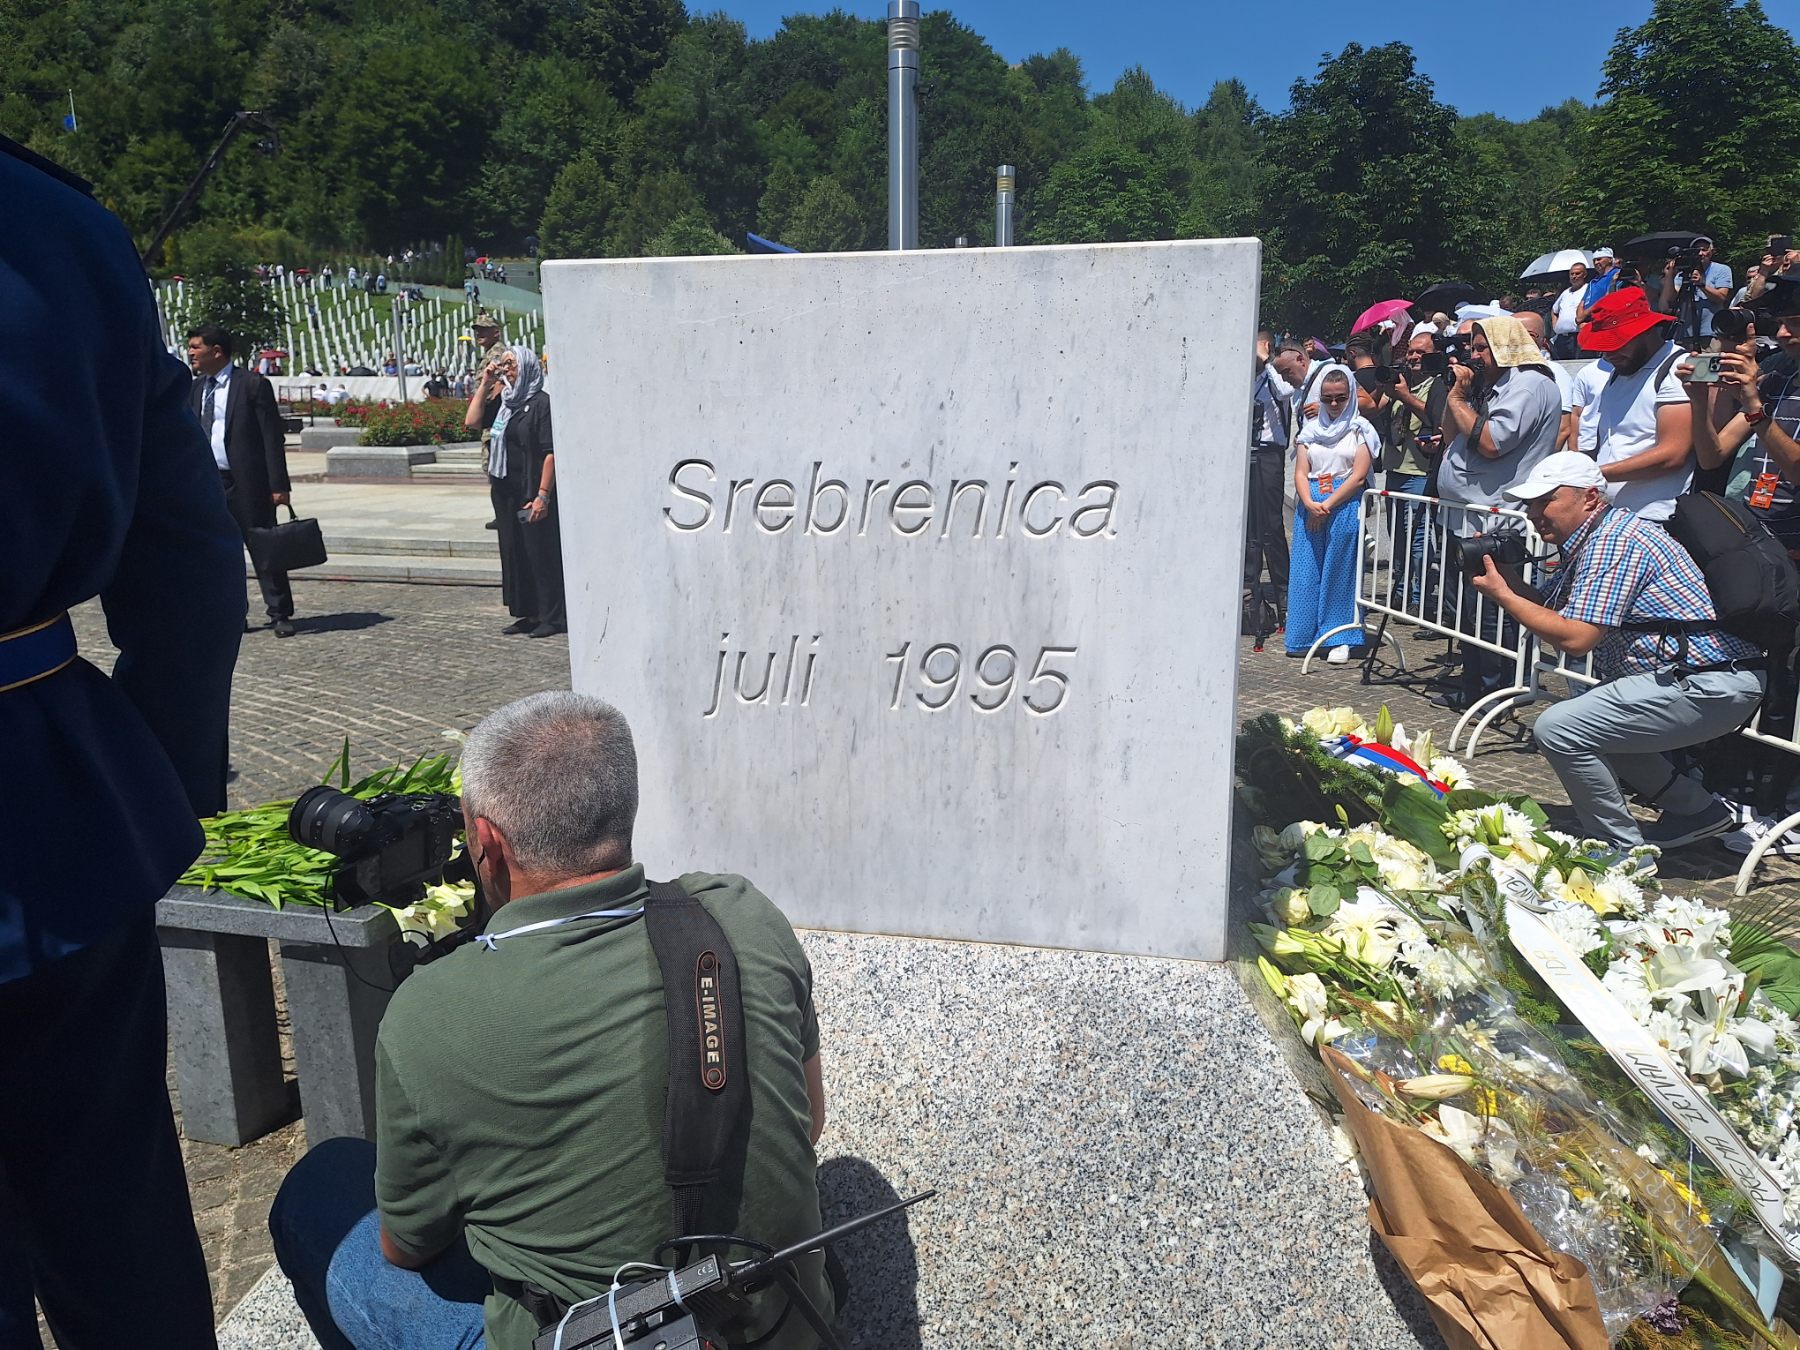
x=917 y=575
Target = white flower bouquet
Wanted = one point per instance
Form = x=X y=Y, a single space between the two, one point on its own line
x=1387 y=939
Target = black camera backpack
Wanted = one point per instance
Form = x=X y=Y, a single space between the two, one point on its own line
x=1754 y=585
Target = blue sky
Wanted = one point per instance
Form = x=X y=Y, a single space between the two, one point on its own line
x=1511 y=59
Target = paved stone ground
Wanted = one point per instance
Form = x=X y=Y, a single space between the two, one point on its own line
x=392 y=666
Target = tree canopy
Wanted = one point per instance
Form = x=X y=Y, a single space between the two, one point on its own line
x=619 y=127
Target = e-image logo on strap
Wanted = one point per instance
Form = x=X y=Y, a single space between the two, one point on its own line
x=712 y=1038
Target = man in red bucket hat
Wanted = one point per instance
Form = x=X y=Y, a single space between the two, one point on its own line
x=1643 y=436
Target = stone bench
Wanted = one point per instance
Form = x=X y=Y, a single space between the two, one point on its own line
x=323 y=437
x=222 y=1021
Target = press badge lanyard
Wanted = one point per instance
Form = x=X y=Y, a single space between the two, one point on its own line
x=1762 y=487
x=488 y=940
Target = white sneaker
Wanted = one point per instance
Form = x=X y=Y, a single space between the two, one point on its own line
x=1748 y=835
x=1338 y=655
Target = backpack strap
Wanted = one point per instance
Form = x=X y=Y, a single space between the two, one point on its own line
x=1679 y=630
x=709 y=1087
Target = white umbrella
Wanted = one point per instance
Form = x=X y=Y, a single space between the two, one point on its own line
x=1560 y=261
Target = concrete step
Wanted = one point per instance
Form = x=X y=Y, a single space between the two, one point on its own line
x=424 y=568
x=416 y=546
x=475 y=472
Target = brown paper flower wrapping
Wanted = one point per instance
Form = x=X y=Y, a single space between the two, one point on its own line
x=1489 y=1279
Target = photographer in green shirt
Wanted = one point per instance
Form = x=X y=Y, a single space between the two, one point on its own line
x=521 y=1080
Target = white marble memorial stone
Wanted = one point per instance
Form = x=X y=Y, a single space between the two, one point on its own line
x=917 y=575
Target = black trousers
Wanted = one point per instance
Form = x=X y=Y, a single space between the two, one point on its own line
x=1265 y=528
x=543 y=545
x=531 y=570
x=1485 y=672
x=278 y=596
x=94 y=1211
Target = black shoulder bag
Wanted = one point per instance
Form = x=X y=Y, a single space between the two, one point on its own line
x=709 y=1094
x=709 y=1091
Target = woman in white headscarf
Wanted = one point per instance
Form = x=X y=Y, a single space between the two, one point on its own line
x=522 y=484
x=1332 y=459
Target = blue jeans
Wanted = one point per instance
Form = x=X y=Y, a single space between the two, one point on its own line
x=327 y=1239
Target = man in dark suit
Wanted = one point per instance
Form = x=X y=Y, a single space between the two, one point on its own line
x=237 y=411
x=105 y=775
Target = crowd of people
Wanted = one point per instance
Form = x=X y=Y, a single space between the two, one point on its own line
x=1690 y=387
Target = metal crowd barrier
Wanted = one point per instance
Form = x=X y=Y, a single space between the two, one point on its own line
x=1401 y=582
x=1786 y=743
x=1545 y=660
x=1401 y=577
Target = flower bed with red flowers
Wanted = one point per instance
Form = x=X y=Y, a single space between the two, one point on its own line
x=436 y=421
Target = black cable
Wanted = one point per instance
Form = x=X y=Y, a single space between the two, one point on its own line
x=344 y=952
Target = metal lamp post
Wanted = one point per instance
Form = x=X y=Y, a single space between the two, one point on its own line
x=903 y=123
x=1004 y=179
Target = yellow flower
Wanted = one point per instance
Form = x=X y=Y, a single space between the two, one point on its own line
x=1453 y=1063
x=1688 y=1198
x=1578 y=888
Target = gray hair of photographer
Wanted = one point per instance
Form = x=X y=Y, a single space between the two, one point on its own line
x=556 y=774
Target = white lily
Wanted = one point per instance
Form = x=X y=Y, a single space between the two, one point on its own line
x=1461 y=1130
x=1678 y=968
x=1722 y=1042
x=1436 y=1087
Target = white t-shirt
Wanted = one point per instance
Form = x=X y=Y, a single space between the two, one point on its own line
x=1340 y=460
x=1627 y=426
x=1563 y=311
x=1584 y=392
x=1565 y=386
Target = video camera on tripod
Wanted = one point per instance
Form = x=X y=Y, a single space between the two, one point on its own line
x=683 y=1308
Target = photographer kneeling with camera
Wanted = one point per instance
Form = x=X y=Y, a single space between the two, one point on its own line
x=521 y=1080
x=1626 y=591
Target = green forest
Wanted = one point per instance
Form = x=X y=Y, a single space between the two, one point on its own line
x=628 y=127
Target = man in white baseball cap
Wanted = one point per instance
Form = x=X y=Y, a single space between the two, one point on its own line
x=1631 y=595
x=1601 y=283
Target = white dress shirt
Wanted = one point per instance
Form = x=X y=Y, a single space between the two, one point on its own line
x=216 y=432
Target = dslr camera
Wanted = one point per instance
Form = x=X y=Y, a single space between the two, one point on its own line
x=390 y=847
x=1686 y=259
x=1450 y=347
x=1504 y=546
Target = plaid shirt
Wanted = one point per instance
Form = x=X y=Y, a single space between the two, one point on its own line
x=1617 y=567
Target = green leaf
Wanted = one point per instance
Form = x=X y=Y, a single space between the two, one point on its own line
x=1529 y=808
x=1322 y=900
x=1416 y=814
x=1760 y=954
x=1318 y=847
x=1359 y=853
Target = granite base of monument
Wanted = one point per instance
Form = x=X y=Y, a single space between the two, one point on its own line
x=1121 y=1156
